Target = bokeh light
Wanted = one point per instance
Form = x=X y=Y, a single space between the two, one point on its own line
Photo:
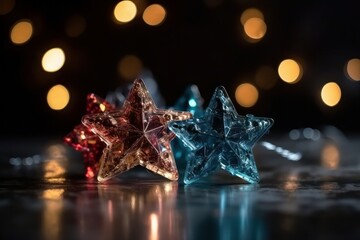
x=130 y=67
x=331 y=94
x=251 y=13
x=21 y=31
x=291 y=183
x=330 y=156
x=255 y=28
x=53 y=194
x=58 y=97
x=290 y=71
x=353 y=69
x=154 y=14
x=53 y=60
x=6 y=6
x=158 y=37
x=246 y=95
x=125 y=11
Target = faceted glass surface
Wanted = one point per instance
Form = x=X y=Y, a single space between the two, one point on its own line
x=221 y=138
x=190 y=101
x=136 y=134
x=83 y=140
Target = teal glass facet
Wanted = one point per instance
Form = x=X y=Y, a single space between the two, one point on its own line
x=190 y=101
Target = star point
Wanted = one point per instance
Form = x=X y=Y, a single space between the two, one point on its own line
x=221 y=138
x=136 y=134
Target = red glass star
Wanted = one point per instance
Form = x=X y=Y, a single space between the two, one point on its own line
x=82 y=139
x=136 y=134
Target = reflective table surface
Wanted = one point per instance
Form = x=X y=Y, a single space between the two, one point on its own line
x=309 y=189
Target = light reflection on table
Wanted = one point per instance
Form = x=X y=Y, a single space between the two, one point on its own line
x=150 y=210
x=316 y=196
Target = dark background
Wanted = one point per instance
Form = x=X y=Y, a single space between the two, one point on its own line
x=199 y=43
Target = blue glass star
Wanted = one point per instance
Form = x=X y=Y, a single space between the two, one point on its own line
x=190 y=101
x=221 y=138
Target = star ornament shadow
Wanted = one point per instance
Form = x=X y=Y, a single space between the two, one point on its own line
x=136 y=134
x=221 y=138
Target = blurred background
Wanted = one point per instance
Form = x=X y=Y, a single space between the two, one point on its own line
x=296 y=62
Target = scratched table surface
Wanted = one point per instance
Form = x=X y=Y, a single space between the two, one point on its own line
x=309 y=189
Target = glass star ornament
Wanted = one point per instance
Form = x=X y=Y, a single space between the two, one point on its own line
x=137 y=134
x=221 y=138
x=85 y=141
x=191 y=101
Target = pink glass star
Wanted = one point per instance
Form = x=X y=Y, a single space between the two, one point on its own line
x=83 y=140
x=136 y=134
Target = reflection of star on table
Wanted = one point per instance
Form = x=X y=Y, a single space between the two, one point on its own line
x=136 y=134
x=221 y=138
x=85 y=141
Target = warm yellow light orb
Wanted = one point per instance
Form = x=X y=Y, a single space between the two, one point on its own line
x=331 y=94
x=21 y=32
x=125 y=11
x=246 y=95
x=290 y=71
x=154 y=14
x=58 y=97
x=53 y=60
